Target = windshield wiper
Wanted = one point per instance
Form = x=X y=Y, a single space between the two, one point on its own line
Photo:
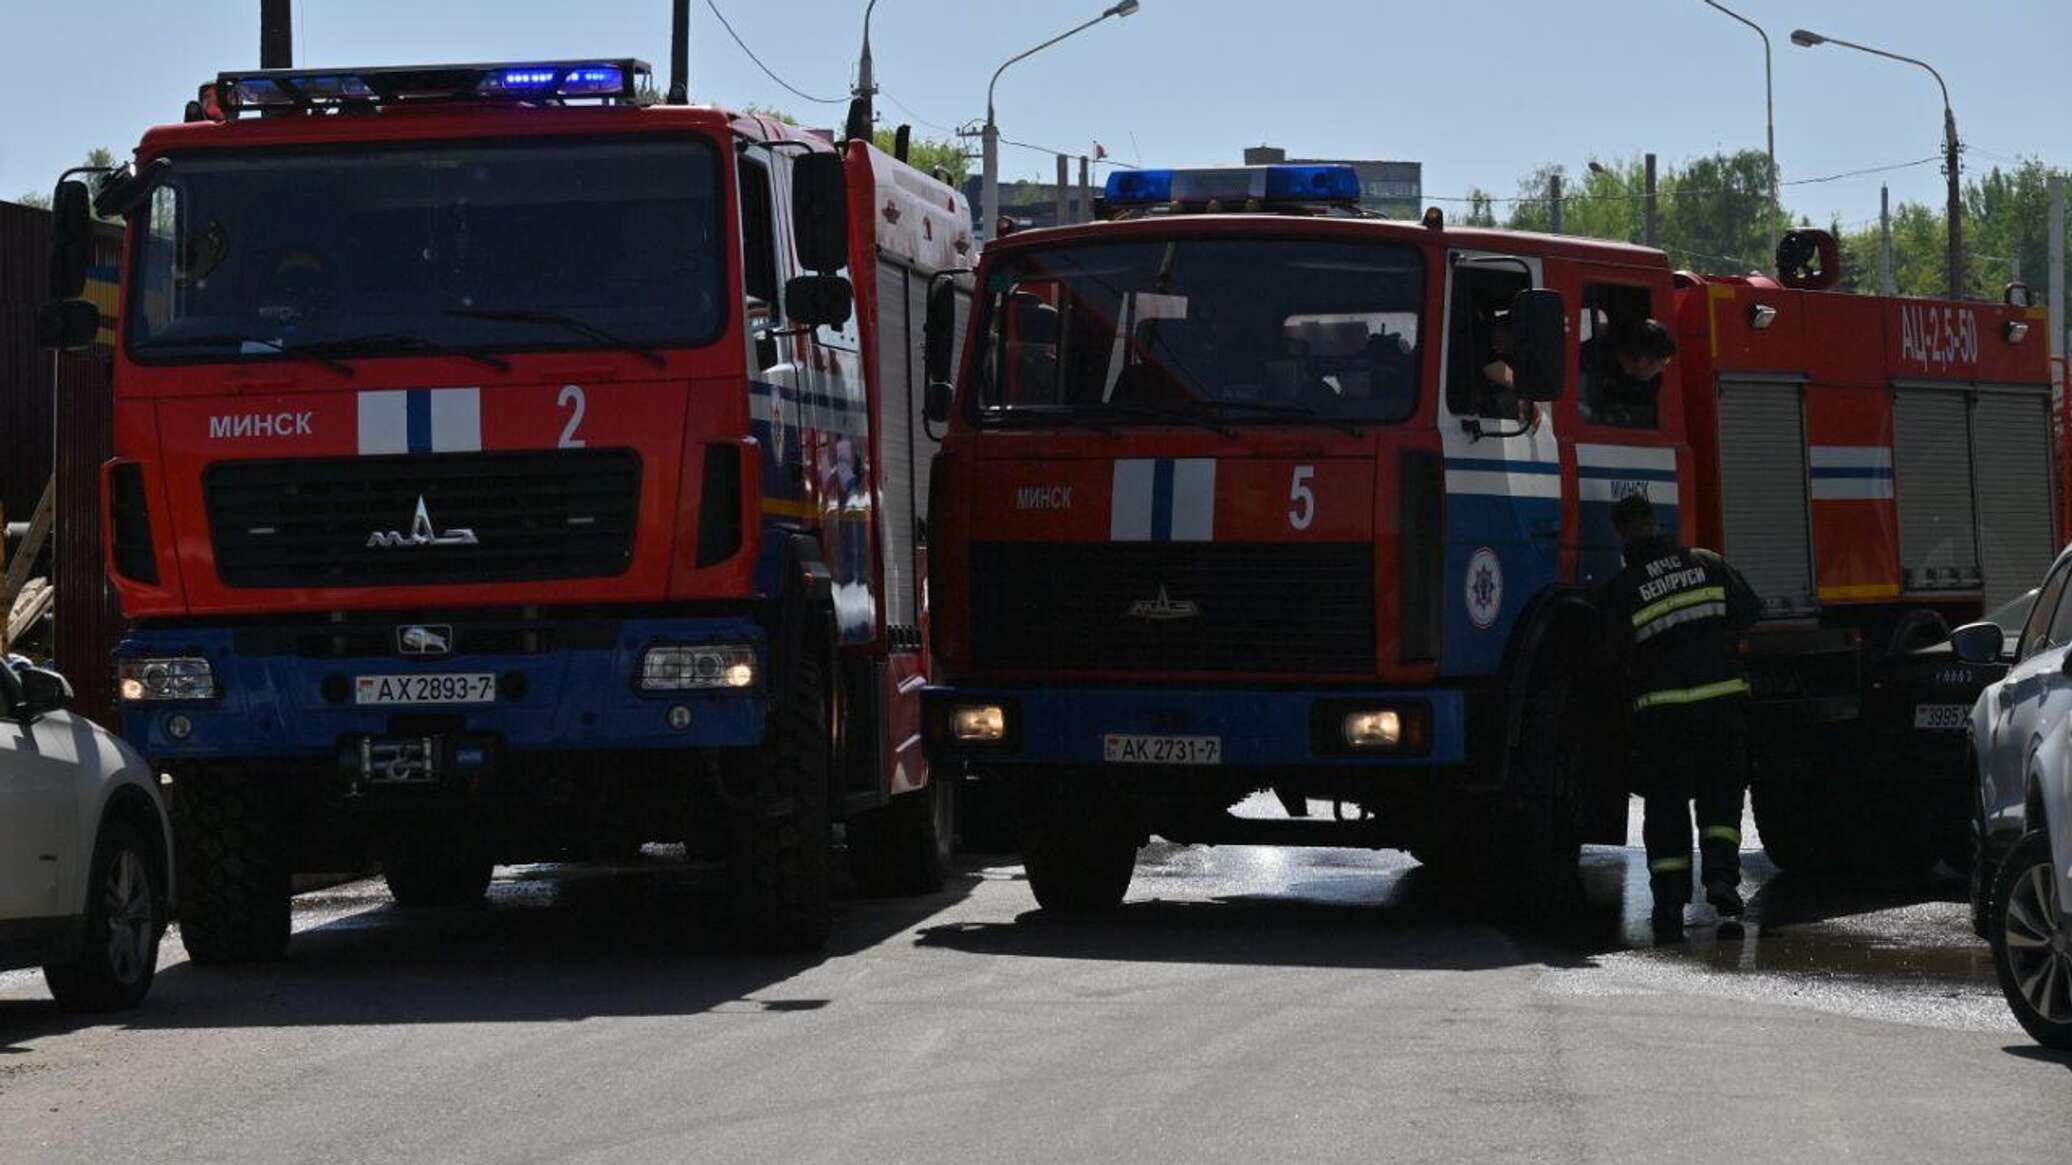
x=391 y=342
x=580 y=327
x=226 y=340
x=1072 y=415
x=1185 y=418
x=1268 y=408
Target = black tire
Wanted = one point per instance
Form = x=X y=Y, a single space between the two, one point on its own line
x=777 y=859
x=230 y=831
x=2030 y=937
x=1539 y=854
x=1797 y=837
x=125 y=915
x=904 y=846
x=1081 y=855
x=436 y=870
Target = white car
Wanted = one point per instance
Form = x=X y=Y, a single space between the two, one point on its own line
x=2021 y=746
x=85 y=849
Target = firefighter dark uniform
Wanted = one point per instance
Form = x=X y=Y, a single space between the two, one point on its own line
x=1674 y=613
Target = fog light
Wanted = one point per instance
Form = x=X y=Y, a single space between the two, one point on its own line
x=165 y=679
x=178 y=727
x=1381 y=728
x=979 y=723
x=679 y=668
x=679 y=717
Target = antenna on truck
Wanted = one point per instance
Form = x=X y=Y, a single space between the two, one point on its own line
x=679 y=53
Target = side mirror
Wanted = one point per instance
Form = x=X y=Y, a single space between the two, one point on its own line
x=935 y=402
x=1539 y=326
x=126 y=188
x=67 y=324
x=818 y=301
x=1978 y=642
x=71 y=239
x=820 y=213
x=43 y=691
x=939 y=332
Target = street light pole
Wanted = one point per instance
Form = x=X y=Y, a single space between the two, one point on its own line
x=989 y=184
x=866 y=84
x=1769 y=113
x=1805 y=39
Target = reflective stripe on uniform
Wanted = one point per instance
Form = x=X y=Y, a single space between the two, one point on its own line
x=1649 y=614
x=1695 y=695
x=1669 y=865
x=1678 y=618
x=1721 y=833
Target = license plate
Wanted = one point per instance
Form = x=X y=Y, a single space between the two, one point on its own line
x=429 y=688
x=1127 y=748
x=1942 y=717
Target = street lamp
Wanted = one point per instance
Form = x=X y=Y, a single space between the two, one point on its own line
x=1769 y=111
x=1807 y=40
x=866 y=84
x=989 y=186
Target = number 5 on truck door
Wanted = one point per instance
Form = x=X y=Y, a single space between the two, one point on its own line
x=1303 y=502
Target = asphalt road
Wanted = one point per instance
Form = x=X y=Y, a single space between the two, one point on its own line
x=1246 y=1005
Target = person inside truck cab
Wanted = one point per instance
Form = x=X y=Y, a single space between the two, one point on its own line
x=1494 y=346
x=1622 y=373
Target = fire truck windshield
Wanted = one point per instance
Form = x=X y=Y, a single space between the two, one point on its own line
x=372 y=249
x=1250 y=331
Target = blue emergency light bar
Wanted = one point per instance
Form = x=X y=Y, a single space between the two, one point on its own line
x=627 y=80
x=1235 y=185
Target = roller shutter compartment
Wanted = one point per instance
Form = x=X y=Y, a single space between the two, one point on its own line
x=2010 y=436
x=1763 y=488
x=1931 y=467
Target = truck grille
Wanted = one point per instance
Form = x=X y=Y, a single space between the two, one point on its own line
x=308 y=522
x=1126 y=607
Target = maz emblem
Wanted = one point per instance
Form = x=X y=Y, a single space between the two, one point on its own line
x=421 y=533
x=424 y=639
x=1163 y=609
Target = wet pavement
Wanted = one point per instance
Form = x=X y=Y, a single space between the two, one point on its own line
x=1245 y=1003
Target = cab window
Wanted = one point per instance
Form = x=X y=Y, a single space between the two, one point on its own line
x=1618 y=389
x=1479 y=384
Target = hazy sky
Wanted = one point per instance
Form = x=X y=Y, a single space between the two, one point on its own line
x=1479 y=93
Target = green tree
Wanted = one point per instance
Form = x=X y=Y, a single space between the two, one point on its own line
x=1715 y=214
x=100 y=156
x=1480 y=212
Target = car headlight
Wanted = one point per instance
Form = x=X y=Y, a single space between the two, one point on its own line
x=182 y=678
x=684 y=667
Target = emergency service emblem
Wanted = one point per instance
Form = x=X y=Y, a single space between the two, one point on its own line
x=421 y=533
x=1485 y=588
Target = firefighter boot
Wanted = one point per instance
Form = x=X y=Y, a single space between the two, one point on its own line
x=1725 y=897
x=1720 y=868
x=1667 y=919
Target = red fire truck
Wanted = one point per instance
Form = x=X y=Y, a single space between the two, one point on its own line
x=511 y=466
x=1245 y=491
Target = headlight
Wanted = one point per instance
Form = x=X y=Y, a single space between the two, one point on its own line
x=978 y=723
x=1381 y=728
x=165 y=679
x=679 y=668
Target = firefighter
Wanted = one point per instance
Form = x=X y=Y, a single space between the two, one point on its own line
x=1674 y=613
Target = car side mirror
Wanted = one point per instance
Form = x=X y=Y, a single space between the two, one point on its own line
x=820 y=212
x=818 y=301
x=67 y=324
x=935 y=402
x=71 y=239
x=43 y=691
x=1539 y=329
x=1979 y=642
x=939 y=330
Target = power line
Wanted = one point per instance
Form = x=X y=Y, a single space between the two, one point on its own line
x=1861 y=173
x=795 y=90
x=1674 y=192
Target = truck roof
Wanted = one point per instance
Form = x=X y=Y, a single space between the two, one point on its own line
x=1402 y=230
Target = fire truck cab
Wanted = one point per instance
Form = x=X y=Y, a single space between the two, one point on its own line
x=509 y=466
x=1244 y=490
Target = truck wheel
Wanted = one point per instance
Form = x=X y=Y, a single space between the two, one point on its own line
x=1080 y=857
x=118 y=954
x=1541 y=841
x=439 y=870
x=1796 y=835
x=230 y=830
x=904 y=846
x=778 y=853
x=2032 y=943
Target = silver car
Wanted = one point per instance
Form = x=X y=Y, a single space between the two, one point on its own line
x=2021 y=749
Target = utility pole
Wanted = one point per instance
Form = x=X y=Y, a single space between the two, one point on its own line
x=276 y=34
x=989 y=182
x=1650 y=225
x=2057 y=280
x=1064 y=190
x=1950 y=167
x=1888 y=280
x=1554 y=203
x=1086 y=192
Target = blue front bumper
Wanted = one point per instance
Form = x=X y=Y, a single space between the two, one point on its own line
x=580 y=696
x=1258 y=728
